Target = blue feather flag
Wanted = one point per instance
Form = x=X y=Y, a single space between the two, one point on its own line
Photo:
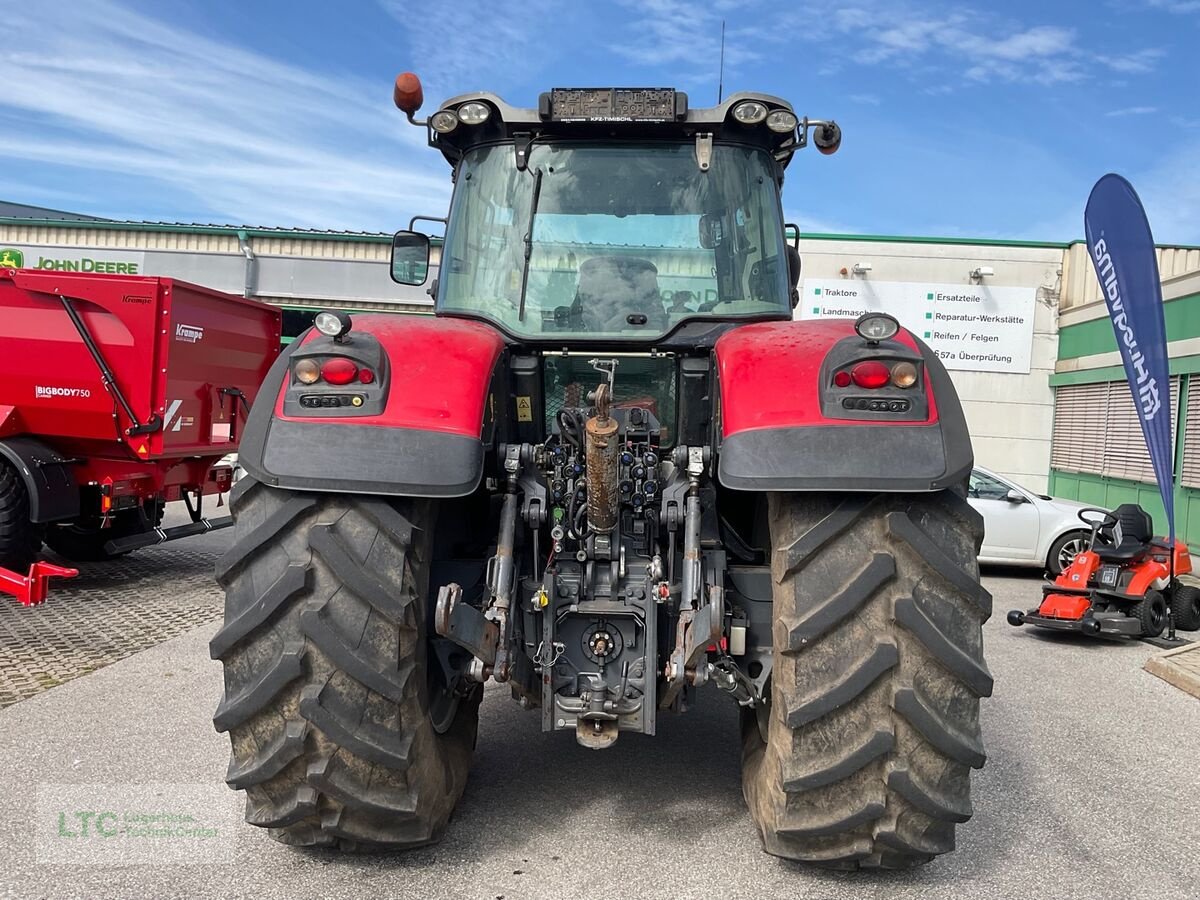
x=1122 y=251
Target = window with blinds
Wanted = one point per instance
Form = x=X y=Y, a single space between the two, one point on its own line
x=1190 y=474
x=1096 y=431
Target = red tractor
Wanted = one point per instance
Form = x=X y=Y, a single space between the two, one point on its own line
x=613 y=474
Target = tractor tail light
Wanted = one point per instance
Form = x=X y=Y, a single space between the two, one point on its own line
x=307 y=371
x=366 y=376
x=842 y=379
x=904 y=374
x=871 y=374
x=339 y=370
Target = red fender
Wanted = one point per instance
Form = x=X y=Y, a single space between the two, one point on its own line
x=785 y=425
x=770 y=373
x=415 y=428
x=440 y=372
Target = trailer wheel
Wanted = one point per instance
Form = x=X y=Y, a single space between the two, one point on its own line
x=20 y=539
x=84 y=541
x=342 y=732
x=862 y=757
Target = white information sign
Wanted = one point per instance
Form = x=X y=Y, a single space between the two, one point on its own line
x=975 y=328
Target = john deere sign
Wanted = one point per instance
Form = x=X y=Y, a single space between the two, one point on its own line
x=86 y=264
x=71 y=259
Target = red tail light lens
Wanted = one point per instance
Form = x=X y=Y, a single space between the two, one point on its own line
x=842 y=379
x=366 y=376
x=339 y=370
x=870 y=374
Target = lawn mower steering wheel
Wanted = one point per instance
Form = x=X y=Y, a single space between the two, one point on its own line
x=1106 y=517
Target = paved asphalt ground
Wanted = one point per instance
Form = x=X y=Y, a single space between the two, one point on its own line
x=1092 y=789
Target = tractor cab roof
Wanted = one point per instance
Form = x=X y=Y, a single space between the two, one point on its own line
x=626 y=115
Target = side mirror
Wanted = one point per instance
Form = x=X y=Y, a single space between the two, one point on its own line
x=410 y=257
x=1015 y=497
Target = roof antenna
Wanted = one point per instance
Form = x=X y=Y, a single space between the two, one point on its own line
x=721 y=75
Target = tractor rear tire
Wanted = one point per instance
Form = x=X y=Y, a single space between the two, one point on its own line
x=1151 y=612
x=862 y=757
x=1185 y=606
x=340 y=735
x=20 y=539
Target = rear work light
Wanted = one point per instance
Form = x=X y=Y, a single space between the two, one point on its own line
x=444 y=121
x=339 y=370
x=333 y=324
x=782 y=121
x=874 y=327
x=871 y=374
x=473 y=113
x=750 y=112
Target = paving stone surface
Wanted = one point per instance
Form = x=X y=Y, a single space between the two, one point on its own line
x=110 y=611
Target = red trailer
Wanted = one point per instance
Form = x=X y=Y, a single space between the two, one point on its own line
x=118 y=394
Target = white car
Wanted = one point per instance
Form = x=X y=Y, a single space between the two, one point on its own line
x=1022 y=528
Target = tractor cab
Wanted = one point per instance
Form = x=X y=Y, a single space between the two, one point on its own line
x=612 y=214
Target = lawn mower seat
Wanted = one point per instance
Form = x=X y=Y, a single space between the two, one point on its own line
x=1128 y=539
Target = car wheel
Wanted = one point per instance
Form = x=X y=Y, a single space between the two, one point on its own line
x=1063 y=551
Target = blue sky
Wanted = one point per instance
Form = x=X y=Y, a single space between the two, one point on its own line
x=959 y=120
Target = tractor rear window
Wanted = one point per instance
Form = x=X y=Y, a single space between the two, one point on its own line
x=623 y=241
x=641 y=381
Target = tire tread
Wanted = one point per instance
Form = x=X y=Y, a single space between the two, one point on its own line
x=322 y=649
x=867 y=752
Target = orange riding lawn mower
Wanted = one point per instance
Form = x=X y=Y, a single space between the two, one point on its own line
x=1121 y=584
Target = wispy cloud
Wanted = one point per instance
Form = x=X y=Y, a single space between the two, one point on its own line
x=1171 y=192
x=1132 y=111
x=865 y=99
x=1135 y=63
x=249 y=138
x=471 y=45
x=686 y=35
x=1179 y=7
x=975 y=44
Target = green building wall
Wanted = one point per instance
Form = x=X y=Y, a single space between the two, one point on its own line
x=1098 y=490
x=1182 y=318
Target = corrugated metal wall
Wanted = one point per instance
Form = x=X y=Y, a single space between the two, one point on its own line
x=118 y=238
x=308 y=248
x=314 y=270
x=375 y=248
x=1079 y=277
